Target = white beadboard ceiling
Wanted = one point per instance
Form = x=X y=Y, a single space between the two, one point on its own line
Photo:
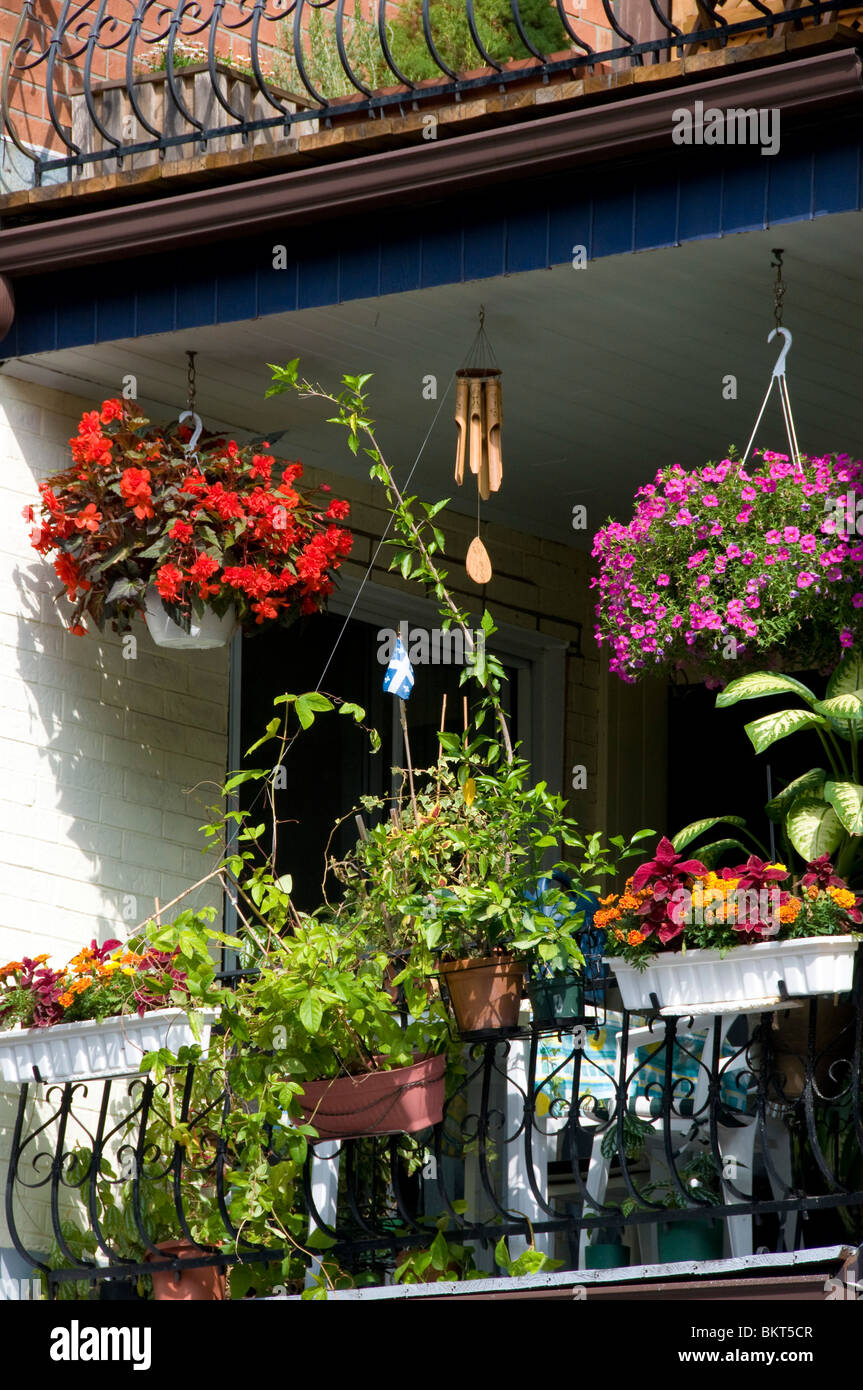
x=608 y=372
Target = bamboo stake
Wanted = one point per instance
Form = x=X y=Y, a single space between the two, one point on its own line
x=404 y=724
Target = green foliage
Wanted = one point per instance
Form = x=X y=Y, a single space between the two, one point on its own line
x=530 y=1261
x=451 y=35
x=819 y=812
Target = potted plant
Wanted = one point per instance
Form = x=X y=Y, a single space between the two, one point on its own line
x=139 y=524
x=122 y=108
x=699 y=1238
x=687 y=938
x=451 y=879
x=110 y=1006
x=319 y=1006
x=723 y=563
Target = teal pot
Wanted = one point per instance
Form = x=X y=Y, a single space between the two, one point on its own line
x=606 y=1256
x=557 y=998
x=689 y=1240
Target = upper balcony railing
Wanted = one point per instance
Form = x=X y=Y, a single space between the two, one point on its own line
x=117 y=84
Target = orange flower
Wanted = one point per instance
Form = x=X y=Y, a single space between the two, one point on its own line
x=635 y=938
x=609 y=901
x=602 y=919
x=790 y=911
x=618 y=934
x=628 y=903
x=812 y=891
x=65 y=999
x=78 y=986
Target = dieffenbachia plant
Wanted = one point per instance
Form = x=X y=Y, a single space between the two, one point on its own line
x=820 y=812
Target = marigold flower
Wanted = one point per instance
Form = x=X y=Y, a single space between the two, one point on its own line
x=790 y=911
x=65 y=999
x=842 y=897
x=635 y=938
x=604 y=917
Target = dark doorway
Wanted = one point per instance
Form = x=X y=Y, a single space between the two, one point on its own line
x=713 y=770
x=330 y=766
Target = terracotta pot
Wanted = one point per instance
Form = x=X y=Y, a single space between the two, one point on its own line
x=401 y=1101
x=486 y=993
x=204 y=1284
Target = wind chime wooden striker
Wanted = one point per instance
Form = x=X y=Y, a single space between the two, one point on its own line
x=478 y=414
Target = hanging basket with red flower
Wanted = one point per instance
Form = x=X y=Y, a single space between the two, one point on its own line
x=221 y=529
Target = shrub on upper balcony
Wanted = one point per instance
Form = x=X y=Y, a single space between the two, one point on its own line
x=725 y=563
x=224 y=524
x=451 y=35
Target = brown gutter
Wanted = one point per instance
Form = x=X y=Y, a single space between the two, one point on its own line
x=432 y=170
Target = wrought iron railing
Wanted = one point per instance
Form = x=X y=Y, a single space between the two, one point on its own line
x=749 y=1125
x=187 y=77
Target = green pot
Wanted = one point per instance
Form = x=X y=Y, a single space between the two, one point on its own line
x=689 y=1240
x=557 y=999
x=608 y=1256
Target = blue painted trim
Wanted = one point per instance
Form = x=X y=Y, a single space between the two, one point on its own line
x=662 y=200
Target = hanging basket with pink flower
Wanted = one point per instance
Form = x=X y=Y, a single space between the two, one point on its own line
x=686 y=939
x=722 y=565
x=197 y=540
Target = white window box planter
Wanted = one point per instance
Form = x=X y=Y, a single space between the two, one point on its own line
x=744 y=980
x=96 y=1047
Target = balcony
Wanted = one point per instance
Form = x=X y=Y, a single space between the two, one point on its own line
x=670 y=1143
x=102 y=91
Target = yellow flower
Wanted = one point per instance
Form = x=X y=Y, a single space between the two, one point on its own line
x=842 y=897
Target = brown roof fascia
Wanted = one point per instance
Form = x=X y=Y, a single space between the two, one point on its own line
x=430 y=171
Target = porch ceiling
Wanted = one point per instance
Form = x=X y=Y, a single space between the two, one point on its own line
x=608 y=372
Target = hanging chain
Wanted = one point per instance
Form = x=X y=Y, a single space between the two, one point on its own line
x=190 y=378
x=779 y=288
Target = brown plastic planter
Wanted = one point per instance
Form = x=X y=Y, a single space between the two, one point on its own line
x=485 y=994
x=401 y=1101
x=186 y=1285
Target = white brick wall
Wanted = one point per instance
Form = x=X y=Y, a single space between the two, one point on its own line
x=98 y=755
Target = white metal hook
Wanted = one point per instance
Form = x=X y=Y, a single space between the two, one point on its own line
x=779 y=369
x=199 y=425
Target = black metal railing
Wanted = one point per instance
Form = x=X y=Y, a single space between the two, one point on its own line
x=617 y=1129
x=188 y=77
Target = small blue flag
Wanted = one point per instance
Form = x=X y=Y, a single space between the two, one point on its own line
x=399 y=678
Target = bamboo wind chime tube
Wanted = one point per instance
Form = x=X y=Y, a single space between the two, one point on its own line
x=461 y=409
x=478 y=416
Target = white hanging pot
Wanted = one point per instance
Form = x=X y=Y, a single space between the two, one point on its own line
x=208 y=630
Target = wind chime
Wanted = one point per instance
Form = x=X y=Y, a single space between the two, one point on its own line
x=478 y=419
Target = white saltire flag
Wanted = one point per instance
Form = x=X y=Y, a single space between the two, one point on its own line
x=399 y=678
